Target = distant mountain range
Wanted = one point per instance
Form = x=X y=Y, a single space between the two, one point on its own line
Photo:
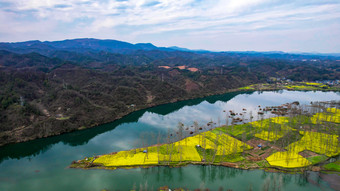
x=85 y=45
x=80 y=45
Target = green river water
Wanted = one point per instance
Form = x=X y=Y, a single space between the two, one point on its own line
x=42 y=164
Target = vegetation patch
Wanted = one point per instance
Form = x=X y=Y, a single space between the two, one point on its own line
x=241 y=131
x=291 y=86
x=284 y=142
x=317 y=159
x=317 y=142
x=63 y=118
x=332 y=115
x=247 y=88
x=271 y=129
x=191 y=149
x=313 y=84
x=287 y=159
x=335 y=166
x=269 y=136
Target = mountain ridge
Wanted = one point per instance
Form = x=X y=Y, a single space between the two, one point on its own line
x=83 y=45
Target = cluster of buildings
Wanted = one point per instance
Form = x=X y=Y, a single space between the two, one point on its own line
x=329 y=82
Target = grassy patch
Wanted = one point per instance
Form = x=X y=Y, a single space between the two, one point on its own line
x=335 y=166
x=241 y=132
x=287 y=139
x=62 y=118
x=247 y=88
x=301 y=87
x=317 y=159
x=263 y=164
x=299 y=120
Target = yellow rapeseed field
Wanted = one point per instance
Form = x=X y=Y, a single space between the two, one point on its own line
x=261 y=123
x=274 y=134
x=280 y=120
x=199 y=139
x=189 y=153
x=313 y=84
x=287 y=159
x=128 y=158
x=231 y=145
x=334 y=110
x=184 y=150
x=319 y=117
x=321 y=143
x=227 y=144
x=333 y=115
x=268 y=129
x=181 y=153
x=266 y=122
x=269 y=136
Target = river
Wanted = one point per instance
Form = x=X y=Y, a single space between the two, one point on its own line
x=42 y=164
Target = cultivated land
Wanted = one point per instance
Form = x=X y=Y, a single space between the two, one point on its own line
x=300 y=138
x=297 y=86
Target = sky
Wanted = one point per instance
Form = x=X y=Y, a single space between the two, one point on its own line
x=218 y=25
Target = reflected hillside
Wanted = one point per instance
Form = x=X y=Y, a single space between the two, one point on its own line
x=169 y=108
x=39 y=146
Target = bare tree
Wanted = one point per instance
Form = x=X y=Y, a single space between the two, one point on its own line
x=180 y=135
x=216 y=146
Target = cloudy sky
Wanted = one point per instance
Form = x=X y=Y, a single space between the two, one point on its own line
x=260 y=25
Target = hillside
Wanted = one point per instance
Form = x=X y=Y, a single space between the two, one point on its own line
x=49 y=88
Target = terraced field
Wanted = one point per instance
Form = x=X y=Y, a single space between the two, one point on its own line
x=281 y=142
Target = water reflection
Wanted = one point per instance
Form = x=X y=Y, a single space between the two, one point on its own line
x=215 y=177
x=40 y=164
x=40 y=146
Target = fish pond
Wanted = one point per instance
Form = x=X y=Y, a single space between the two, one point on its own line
x=43 y=164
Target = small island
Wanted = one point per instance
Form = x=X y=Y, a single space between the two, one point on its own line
x=298 y=138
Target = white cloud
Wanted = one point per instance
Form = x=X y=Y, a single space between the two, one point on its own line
x=134 y=19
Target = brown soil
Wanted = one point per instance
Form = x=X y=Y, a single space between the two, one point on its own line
x=181 y=67
x=193 y=69
x=229 y=164
x=190 y=85
x=166 y=67
x=307 y=154
x=258 y=154
x=174 y=73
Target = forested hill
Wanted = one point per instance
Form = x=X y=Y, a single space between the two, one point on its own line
x=48 y=88
x=88 y=46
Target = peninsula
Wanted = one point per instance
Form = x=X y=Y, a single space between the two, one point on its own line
x=298 y=138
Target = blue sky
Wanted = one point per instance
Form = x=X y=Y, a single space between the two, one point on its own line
x=224 y=25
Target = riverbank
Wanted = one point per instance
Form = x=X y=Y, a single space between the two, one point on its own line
x=295 y=86
x=23 y=134
x=292 y=144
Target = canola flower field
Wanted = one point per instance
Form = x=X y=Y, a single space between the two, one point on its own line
x=181 y=151
x=287 y=159
x=320 y=143
x=276 y=133
x=332 y=115
x=222 y=143
x=291 y=86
